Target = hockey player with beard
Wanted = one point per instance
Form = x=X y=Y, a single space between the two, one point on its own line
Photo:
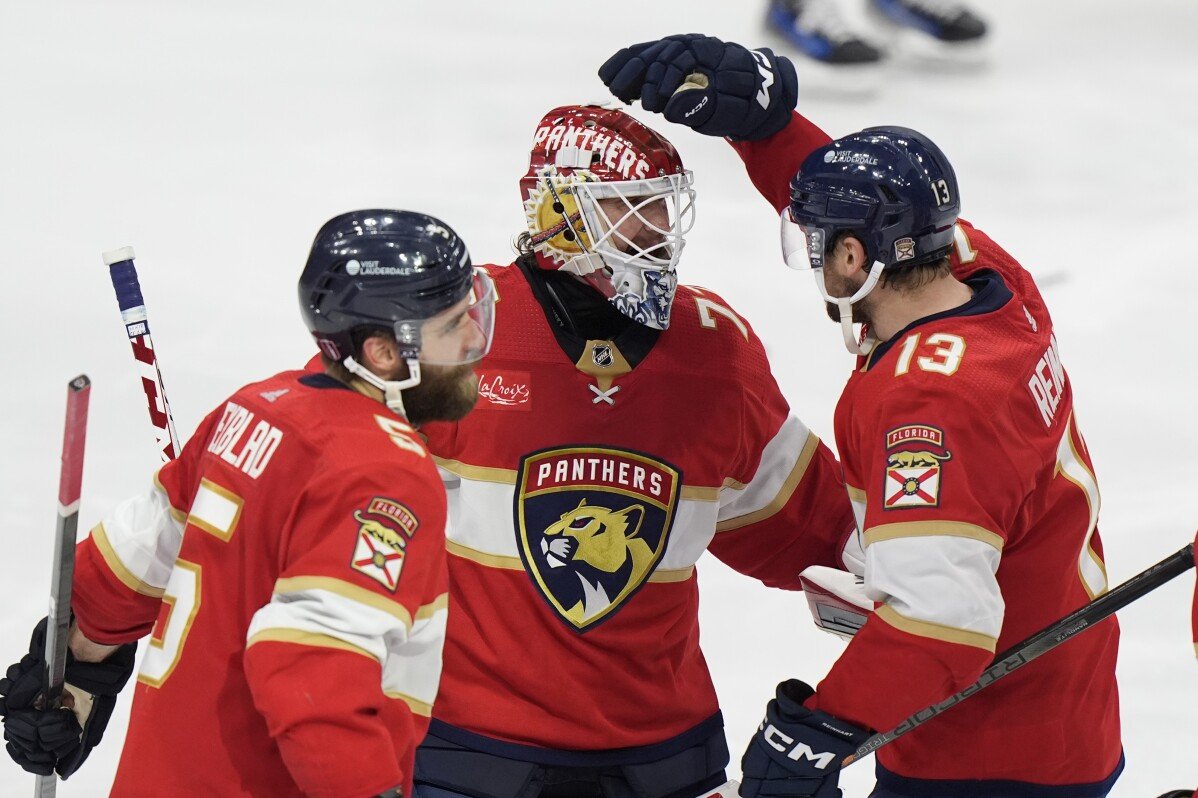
x=976 y=500
x=626 y=424
x=288 y=567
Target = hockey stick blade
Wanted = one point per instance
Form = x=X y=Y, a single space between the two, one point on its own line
x=137 y=327
x=70 y=488
x=1042 y=642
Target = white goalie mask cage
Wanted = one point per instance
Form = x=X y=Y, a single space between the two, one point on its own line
x=609 y=200
x=626 y=236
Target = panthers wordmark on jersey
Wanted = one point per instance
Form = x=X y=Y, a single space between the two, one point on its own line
x=583 y=488
x=977 y=510
x=289 y=569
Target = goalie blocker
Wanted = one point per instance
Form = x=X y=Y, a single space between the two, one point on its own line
x=836 y=599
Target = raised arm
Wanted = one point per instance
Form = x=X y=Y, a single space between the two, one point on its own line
x=723 y=89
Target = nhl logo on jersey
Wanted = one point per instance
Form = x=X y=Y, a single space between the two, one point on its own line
x=602 y=356
x=384 y=529
x=914 y=453
x=592 y=524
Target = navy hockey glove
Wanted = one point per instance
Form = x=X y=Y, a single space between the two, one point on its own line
x=44 y=740
x=797 y=751
x=732 y=91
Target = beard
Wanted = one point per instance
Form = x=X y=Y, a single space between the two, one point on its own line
x=841 y=286
x=445 y=393
x=859 y=313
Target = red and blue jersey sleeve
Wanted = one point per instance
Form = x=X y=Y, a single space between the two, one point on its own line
x=772 y=162
x=355 y=625
x=122 y=568
x=783 y=505
x=937 y=494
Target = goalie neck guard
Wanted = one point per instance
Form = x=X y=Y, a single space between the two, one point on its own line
x=608 y=199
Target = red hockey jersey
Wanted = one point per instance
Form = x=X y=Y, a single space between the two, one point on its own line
x=290 y=564
x=584 y=489
x=977 y=508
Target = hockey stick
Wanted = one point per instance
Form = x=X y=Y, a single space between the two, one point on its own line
x=1042 y=642
x=137 y=326
x=70 y=486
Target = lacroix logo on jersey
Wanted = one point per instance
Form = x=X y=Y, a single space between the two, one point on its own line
x=914 y=453
x=592 y=524
x=505 y=389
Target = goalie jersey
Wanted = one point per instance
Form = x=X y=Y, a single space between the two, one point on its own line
x=583 y=488
x=289 y=570
x=977 y=510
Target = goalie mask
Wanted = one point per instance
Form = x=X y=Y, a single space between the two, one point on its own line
x=609 y=200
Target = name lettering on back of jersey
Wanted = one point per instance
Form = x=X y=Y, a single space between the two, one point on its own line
x=384 y=528
x=505 y=389
x=592 y=524
x=914 y=454
x=253 y=454
x=1047 y=382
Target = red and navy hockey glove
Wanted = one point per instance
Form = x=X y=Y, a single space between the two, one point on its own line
x=797 y=751
x=42 y=740
x=729 y=89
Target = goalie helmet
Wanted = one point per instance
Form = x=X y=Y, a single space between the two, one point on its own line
x=608 y=199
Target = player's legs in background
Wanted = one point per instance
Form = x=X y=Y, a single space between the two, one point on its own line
x=930 y=27
x=818 y=30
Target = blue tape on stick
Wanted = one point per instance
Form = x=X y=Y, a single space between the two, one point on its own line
x=124 y=281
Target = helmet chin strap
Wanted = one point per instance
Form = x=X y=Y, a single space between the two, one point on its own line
x=392 y=396
x=844 y=307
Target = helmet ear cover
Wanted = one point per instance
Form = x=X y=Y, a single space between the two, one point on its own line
x=556 y=217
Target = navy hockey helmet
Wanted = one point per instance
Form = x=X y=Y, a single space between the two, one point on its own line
x=386 y=268
x=891 y=187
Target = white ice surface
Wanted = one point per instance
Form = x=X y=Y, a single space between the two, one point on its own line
x=216 y=137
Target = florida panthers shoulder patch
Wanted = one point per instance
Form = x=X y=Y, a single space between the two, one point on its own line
x=914 y=457
x=384 y=528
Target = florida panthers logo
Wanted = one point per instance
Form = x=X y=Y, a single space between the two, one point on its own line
x=914 y=461
x=592 y=525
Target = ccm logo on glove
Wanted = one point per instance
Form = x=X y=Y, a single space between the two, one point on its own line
x=780 y=741
x=767 y=78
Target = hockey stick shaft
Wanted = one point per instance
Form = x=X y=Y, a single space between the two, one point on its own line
x=70 y=487
x=1042 y=642
x=137 y=327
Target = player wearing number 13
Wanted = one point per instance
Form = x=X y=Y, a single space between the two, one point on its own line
x=289 y=565
x=975 y=498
